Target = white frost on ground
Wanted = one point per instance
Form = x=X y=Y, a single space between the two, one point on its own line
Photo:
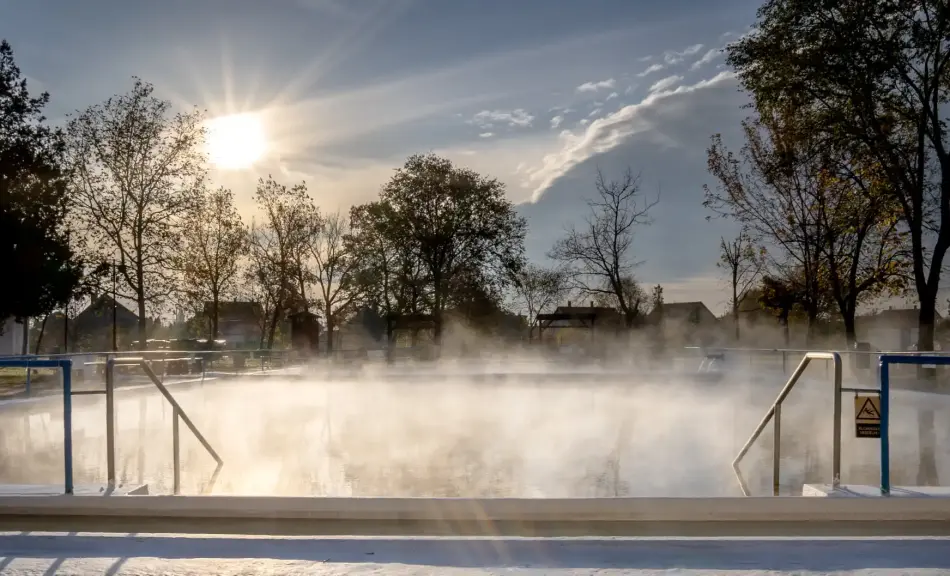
x=23 y=554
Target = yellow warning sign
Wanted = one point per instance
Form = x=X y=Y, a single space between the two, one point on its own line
x=867 y=416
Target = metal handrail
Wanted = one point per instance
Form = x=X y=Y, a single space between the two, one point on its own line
x=776 y=411
x=177 y=413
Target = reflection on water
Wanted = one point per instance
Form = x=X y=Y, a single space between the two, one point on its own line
x=448 y=438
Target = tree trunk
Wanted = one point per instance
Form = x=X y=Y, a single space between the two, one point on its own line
x=329 y=323
x=437 y=312
x=785 y=329
x=140 y=294
x=39 y=337
x=848 y=314
x=927 y=439
x=25 y=348
x=735 y=300
x=272 y=329
x=214 y=318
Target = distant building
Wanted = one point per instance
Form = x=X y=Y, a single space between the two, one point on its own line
x=239 y=323
x=366 y=330
x=575 y=324
x=91 y=329
x=686 y=322
x=893 y=330
x=11 y=337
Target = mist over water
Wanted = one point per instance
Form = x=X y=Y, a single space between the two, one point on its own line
x=465 y=430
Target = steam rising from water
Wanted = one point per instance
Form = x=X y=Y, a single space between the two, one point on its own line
x=447 y=434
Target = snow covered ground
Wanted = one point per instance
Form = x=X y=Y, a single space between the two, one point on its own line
x=24 y=554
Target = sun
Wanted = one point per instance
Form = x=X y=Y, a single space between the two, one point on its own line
x=236 y=142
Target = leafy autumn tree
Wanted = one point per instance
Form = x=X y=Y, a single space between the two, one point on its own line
x=744 y=262
x=276 y=246
x=865 y=245
x=771 y=188
x=780 y=296
x=451 y=220
x=874 y=75
x=817 y=205
x=335 y=268
x=633 y=293
x=390 y=277
x=138 y=170
x=536 y=288
x=44 y=272
x=598 y=254
x=214 y=241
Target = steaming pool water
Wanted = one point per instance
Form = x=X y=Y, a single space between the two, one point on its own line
x=587 y=435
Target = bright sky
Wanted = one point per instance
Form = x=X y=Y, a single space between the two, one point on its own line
x=534 y=92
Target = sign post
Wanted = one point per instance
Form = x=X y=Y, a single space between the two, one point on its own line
x=867 y=416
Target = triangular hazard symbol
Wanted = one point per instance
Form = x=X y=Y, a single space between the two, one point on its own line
x=868 y=411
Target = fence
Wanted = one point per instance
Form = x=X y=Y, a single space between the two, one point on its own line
x=197 y=364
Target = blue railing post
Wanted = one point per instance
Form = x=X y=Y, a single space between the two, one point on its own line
x=67 y=368
x=884 y=375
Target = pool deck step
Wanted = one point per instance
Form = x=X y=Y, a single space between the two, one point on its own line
x=78 y=490
x=863 y=491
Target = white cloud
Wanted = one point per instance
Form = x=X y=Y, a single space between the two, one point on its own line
x=595 y=86
x=708 y=57
x=514 y=118
x=645 y=59
x=665 y=83
x=611 y=96
x=674 y=57
x=556 y=121
x=583 y=122
x=651 y=69
x=630 y=89
x=614 y=129
x=594 y=112
x=486 y=134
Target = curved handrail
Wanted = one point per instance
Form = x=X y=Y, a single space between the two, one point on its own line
x=776 y=411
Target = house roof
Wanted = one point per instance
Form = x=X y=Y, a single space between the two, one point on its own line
x=236 y=310
x=105 y=302
x=562 y=316
x=681 y=311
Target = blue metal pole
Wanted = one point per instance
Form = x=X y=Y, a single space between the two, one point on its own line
x=884 y=375
x=67 y=367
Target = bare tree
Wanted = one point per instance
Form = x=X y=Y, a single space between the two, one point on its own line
x=598 y=254
x=138 y=170
x=213 y=243
x=773 y=190
x=744 y=263
x=537 y=288
x=276 y=248
x=335 y=268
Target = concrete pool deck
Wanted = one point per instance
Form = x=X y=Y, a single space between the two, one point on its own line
x=526 y=517
x=29 y=554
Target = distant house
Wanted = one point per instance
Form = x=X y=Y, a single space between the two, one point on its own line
x=11 y=337
x=690 y=322
x=92 y=328
x=892 y=330
x=238 y=322
x=574 y=324
x=365 y=330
